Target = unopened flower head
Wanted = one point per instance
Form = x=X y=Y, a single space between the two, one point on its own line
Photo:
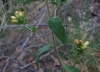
x=22 y=14
x=86 y=43
x=14 y=21
x=19 y=17
x=76 y=41
x=84 y=47
x=17 y=12
x=80 y=42
x=13 y=17
x=70 y=19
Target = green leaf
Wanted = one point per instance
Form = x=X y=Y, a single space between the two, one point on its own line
x=27 y=1
x=56 y=25
x=55 y=3
x=0 y=22
x=40 y=52
x=65 y=1
x=25 y=21
x=70 y=68
x=32 y=29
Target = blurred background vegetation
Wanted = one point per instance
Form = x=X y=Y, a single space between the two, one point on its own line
x=81 y=19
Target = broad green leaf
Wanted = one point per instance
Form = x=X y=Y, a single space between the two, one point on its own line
x=56 y=25
x=70 y=68
x=32 y=29
x=27 y=1
x=40 y=52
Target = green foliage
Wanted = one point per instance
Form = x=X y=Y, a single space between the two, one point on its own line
x=57 y=27
x=19 y=18
x=17 y=2
x=28 y=1
x=40 y=52
x=76 y=53
x=70 y=68
x=32 y=29
x=1 y=12
x=65 y=1
x=63 y=55
x=56 y=2
x=0 y=22
x=4 y=33
x=72 y=54
x=8 y=20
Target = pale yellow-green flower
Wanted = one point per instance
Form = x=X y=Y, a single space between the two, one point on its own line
x=22 y=13
x=84 y=46
x=13 y=17
x=86 y=43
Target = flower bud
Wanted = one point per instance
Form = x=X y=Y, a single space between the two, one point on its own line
x=84 y=47
x=76 y=41
x=17 y=14
x=21 y=14
x=69 y=19
x=86 y=43
x=14 y=21
x=80 y=42
x=13 y=17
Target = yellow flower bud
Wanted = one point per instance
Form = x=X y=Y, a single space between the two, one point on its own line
x=14 y=21
x=86 y=43
x=13 y=17
x=69 y=19
x=76 y=41
x=17 y=14
x=80 y=42
x=84 y=47
x=24 y=12
x=21 y=14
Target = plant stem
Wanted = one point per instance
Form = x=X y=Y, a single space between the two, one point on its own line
x=47 y=3
x=37 y=35
x=53 y=37
x=42 y=39
x=56 y=51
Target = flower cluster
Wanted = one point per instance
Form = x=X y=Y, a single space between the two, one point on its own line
x=80 y=45
x=19 y=17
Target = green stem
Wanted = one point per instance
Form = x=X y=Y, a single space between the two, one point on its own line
x=42 y=39
x=55 y=48
x=37 y=35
